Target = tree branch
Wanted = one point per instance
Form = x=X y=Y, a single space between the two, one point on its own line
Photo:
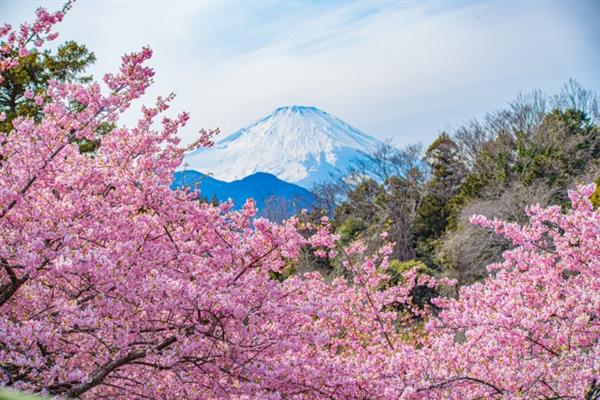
x=101 y=373
x=463 y=378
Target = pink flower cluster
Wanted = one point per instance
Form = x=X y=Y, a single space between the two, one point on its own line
x=14 y=45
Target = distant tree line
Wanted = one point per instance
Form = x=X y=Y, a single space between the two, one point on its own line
x=531 y=152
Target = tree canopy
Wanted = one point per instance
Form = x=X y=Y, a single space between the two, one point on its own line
x=112 y=285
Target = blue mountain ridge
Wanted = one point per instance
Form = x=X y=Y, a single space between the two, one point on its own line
x=275 y=199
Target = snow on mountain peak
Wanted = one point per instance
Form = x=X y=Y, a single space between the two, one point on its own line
x=298 y=144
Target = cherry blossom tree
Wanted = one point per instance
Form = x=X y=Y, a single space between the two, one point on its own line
x=115 y=286
x=531 y=330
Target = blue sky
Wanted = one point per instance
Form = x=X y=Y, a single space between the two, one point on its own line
x=396 y=70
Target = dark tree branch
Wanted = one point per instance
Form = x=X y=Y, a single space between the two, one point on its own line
x=463 y=378
x=101 y=373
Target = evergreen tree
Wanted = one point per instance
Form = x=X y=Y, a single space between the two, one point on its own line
x=67 y=64
x=447 y=174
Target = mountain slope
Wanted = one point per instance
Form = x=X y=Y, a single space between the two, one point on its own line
x=297 y=144
x=274 y=198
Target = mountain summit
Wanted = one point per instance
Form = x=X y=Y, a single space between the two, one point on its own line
x=297 y=144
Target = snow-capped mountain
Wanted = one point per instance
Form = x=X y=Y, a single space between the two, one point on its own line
x=297 y=144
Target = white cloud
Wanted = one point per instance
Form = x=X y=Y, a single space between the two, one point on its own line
x=400 y=70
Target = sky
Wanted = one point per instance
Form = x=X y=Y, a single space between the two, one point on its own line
x=401 y=71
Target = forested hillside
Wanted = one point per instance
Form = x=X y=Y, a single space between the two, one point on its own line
x=530 y=152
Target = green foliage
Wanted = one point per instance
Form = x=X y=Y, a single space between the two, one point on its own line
x=421 y=295
x=525 y=154
x=389 y=204
x=518 y=152
x=561 y=148
x=596 y=195
x=447 y=173
x=351 y=228
x=283 y=274
x=432 y=216
x=34 y=73
x=426 y=250
x=6 y=394
x=397 y=268
x=66 y=64
x=471 y=188
x=361 y=203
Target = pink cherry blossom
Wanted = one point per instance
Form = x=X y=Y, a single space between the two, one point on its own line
x=112 y=285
